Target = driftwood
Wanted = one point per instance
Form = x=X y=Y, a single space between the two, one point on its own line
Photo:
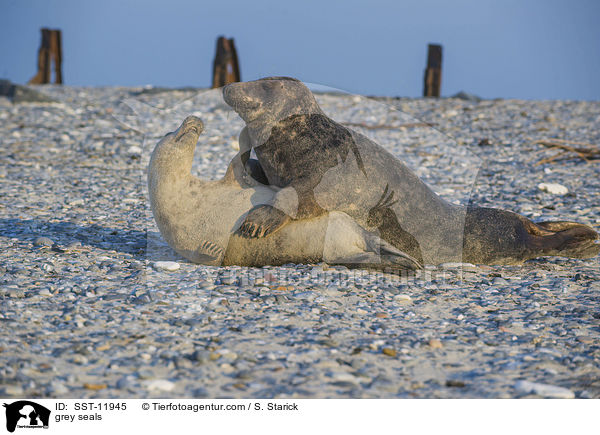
x=584 y=151
x=50 y=51
x=226 y=68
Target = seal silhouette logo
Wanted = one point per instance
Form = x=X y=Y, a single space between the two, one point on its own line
x=26 y=414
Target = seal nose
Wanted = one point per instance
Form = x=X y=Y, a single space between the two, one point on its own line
x=193 y=123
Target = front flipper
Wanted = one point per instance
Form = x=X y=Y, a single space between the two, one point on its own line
x=263 y=220
x=209 y=252
x=209 y=248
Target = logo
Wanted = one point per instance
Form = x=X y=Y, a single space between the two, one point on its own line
x=26 y=414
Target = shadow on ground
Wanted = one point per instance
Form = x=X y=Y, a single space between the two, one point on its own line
x=63 y=233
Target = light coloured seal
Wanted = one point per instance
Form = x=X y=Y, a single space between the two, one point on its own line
x=323 y=166
x=199 y=219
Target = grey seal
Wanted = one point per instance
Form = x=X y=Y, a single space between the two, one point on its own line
x=323 y=166
x=200 y=219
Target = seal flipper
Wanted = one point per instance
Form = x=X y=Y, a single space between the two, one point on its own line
x=378 y=255
x=383 y=217
x=263 y=220
x=563 y=238
x=392 y=256
x=210 y=250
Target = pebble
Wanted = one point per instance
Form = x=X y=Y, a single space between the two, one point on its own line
x=200 y=393
x=125 y=382
x=201 y=356
x=16 y=293
x=344 y=377
x=145 y=374
x=73 y=245
x=11 y=390
x=76 y=202
x=544 y=390
x=226 y=368
x=94 y=387
x=57 y=388
x=169 y=266
x=159 y=385
x=454 y=265
x=402 y=298
x=553 y=188
x=134 y=149
x=389 y=351
x=434 y=343
x=43 y=241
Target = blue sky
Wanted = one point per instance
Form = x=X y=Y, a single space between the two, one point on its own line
x=530 y=49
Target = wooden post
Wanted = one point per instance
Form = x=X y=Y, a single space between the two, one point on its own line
x=56 y=48
x=225 y=67
x=433 y=72
x=50 y=50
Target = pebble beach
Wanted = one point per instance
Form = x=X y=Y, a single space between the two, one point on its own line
x=94 y=304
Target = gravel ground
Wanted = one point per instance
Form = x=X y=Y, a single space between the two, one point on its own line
x=87 y=312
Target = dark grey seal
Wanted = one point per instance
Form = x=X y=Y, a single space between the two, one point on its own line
x=323 y=166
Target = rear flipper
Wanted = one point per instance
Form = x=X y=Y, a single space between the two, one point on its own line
x=391 y=256
x=565 y=239
x=494 y=236
x=349 y=244
x=385 y=257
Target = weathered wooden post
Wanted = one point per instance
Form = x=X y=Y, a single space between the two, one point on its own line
x=50 y=50
x=225 y=67
x=433 y=72
x=56 y=52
